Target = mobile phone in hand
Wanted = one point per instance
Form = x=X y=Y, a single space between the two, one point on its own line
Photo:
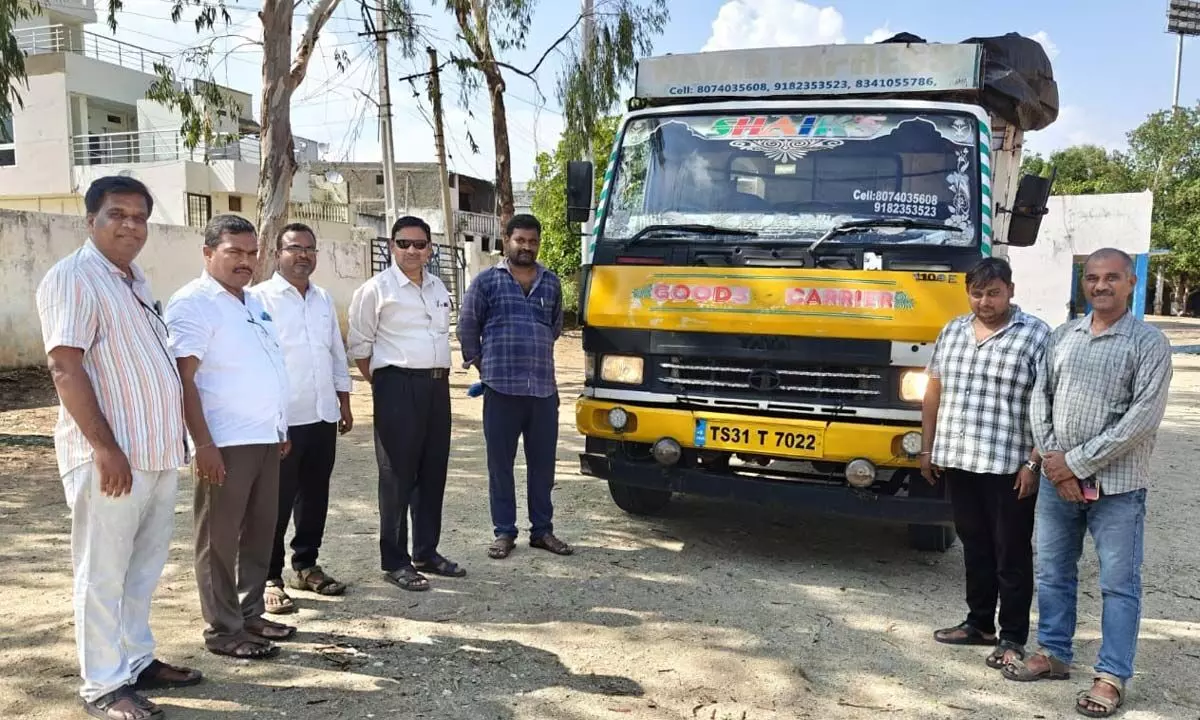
x=1091 y=489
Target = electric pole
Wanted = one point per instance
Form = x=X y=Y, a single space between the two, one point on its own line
x=385 y=118
x=439 y=141
x=589 y=38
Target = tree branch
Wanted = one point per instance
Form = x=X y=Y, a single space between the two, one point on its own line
x=320 y=15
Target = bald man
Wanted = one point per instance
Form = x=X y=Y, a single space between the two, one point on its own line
x=1099 y=399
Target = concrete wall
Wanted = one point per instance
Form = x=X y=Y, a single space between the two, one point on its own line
x=1076 y=226
x=30 y=243
x=41 y=134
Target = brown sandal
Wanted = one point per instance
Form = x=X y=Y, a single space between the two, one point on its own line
x=552 y=544
x=277 y=600
x=246 y=647
x=269 y=629
x=1108 y=706
x=152 y=677
x=314 y=579
x=501 y=547
x=105 y=706
x=1019 y=671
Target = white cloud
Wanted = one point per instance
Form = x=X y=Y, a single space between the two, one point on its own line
x=879 y=35
x=1076 y=126
x=774 y=23
x=1047 y=44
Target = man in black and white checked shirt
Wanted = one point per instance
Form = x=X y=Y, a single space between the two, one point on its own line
x=1100 y=397
x=975 y=422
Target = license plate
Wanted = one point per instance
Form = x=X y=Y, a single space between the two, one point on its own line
x=786 y=440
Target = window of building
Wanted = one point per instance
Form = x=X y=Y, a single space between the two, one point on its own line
x=8 y=150
x=379 y=179
x=235 y=203
x=199 y=210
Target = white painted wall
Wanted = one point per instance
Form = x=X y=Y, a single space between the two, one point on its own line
x=1076 y=225
x=87 y=76
x=30 y=243
x=42 y=140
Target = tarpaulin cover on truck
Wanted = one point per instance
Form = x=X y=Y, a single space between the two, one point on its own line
x=1018 y=81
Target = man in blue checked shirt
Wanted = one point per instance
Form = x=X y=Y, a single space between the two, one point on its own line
x=510 y=318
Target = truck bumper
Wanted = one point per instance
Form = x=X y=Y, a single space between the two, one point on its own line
x=605 y=459
x=842 y=441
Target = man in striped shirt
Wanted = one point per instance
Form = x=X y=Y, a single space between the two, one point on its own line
x=119 y=443
x=1100 y=397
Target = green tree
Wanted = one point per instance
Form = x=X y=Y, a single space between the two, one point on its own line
x=590 y=79
x=205 y=109
x=548 y=188
x=1164 y=156
x=1085 y=170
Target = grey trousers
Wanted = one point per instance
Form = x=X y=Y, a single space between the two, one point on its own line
x=235 y=529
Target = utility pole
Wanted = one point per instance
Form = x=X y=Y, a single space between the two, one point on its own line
x=589 y=38
x=385 y=117
x=439 y=140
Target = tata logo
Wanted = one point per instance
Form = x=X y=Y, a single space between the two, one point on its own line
x=764 y=342
x=764 y=380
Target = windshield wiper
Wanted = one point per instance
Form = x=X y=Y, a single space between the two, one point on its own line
x=683 y=229
x=856 y=226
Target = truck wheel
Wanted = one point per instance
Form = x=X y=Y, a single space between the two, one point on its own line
x=638 y=500
x=930 y=538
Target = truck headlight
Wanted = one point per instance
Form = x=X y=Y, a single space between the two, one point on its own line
x=912 y=385
x=624 y=369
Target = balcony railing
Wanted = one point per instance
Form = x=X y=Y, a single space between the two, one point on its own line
x=320 y=212
x=477 y=223
x=60 y=38
x=156 y=146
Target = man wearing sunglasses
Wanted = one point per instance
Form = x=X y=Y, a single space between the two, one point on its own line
x=318 y=409
x=400 y=340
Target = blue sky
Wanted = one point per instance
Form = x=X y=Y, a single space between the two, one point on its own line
x=1114 y=64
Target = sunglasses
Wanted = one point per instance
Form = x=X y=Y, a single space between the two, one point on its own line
x=415 y=244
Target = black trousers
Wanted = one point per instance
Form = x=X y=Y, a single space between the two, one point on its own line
x=304 y=494
x=996 y=530
x=412 y=449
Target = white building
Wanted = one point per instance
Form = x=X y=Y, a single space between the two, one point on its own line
x=85 y=115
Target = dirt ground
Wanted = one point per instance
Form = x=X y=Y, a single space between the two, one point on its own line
x=711 y=612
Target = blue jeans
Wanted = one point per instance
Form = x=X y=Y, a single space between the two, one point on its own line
x=1116 y=523
x=506 y=420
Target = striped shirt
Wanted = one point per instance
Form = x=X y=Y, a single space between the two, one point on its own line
x=509 y=335
x=87 y=302
x=983 y=415
x=1100 y=398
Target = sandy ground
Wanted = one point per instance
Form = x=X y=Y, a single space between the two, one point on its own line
x=711 y=612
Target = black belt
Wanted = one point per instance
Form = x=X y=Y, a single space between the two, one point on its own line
x=432 y=373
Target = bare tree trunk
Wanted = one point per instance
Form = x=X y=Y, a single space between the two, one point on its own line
x=504 y=188
x=282 y=74
x=278 y=163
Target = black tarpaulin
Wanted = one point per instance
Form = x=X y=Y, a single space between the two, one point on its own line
x=1018 y=81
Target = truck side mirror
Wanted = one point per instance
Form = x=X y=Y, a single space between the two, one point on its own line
x=579 y=191
x=1033 y=192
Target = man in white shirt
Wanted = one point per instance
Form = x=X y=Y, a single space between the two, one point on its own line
x=235 y=394
x=306 y=321
x=400 y=339
x=120 y=442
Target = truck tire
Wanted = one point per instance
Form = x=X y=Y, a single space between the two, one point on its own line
x=930 y=538
x=638 y=500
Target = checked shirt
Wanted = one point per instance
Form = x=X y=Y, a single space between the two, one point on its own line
x=983 y=423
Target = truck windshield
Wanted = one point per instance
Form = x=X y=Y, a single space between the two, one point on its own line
x=793 y=177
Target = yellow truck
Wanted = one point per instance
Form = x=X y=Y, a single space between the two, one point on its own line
x=780 y=237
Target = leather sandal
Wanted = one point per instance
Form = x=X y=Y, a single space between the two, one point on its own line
x=1019 y=671
x=1108 y=706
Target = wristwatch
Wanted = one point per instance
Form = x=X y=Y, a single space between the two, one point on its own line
x=1036 y=468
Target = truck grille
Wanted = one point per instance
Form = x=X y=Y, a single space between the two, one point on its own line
x=792 y=381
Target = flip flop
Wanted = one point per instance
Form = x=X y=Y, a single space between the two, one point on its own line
x=246 y=647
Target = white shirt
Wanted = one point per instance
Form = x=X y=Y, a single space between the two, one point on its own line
x=242 y=378
x=394 y=322
x=312 y=347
